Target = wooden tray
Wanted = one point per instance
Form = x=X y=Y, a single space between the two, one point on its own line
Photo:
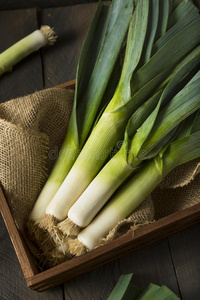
x=52 y=277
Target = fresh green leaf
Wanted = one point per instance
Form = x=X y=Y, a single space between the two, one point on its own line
x=148 y=291
x=121 y=287
x=163 y=18
x=163 y=293
x=181 y=11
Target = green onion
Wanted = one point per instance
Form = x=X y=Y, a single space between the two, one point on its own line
x=184 y=148
x=29 y=44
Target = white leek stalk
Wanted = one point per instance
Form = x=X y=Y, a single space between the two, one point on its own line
x=122 y=205
x=29 y=44
x=136 y=190
x=108 y=179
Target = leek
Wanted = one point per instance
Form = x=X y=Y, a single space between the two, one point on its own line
x=151 y=31
x=110 y=126
x=120 y=167
x=151 y=289
x=23 y=48
x=184 y=9
x=125 y=290
x=138 y=93
x=121 y=287
x=153 y=292
x=162 y=292
x=129 y=156
x=97 y=60
x=112 y=123
x=184 y=148
x=163 y=18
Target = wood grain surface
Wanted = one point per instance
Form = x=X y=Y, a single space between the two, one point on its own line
x=10 y=4
x=174 y=261
x=27 y=76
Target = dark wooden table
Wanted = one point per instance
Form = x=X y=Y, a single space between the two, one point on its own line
x=174 y=261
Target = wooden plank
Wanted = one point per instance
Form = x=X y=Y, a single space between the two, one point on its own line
x=25 y=78
x=124 y=263
x=71 y=25
x=185 y=249
x=197 y=3
x=150 y=264
x=27 y=75
x=126 y=244
x=17 y=4
x=12 y=282
x=25 y=258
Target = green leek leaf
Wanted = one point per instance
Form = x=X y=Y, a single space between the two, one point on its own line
x=121 y=287
x=163 y=293
x=148 y=291
x=163 y=18
x=135 y=42
x=181 y=11
x=173 y=87
x=174 y=30
x=151 y=31
x=182 y=151
x=168 y=55
x=180 y=107
x=120 y=16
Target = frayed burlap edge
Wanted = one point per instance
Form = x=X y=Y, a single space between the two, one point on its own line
x=181 y=175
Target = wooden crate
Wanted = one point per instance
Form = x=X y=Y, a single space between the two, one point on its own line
x=127 y=243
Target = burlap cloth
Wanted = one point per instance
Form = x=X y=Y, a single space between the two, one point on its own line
x=32 y=129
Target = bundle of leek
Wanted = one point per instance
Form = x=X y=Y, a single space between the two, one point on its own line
x=134 y=88
x=184 y=147
x=97 y=61
x=145 y=143
x=148 y=53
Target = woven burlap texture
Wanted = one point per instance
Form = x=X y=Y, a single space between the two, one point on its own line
x=32 y=129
